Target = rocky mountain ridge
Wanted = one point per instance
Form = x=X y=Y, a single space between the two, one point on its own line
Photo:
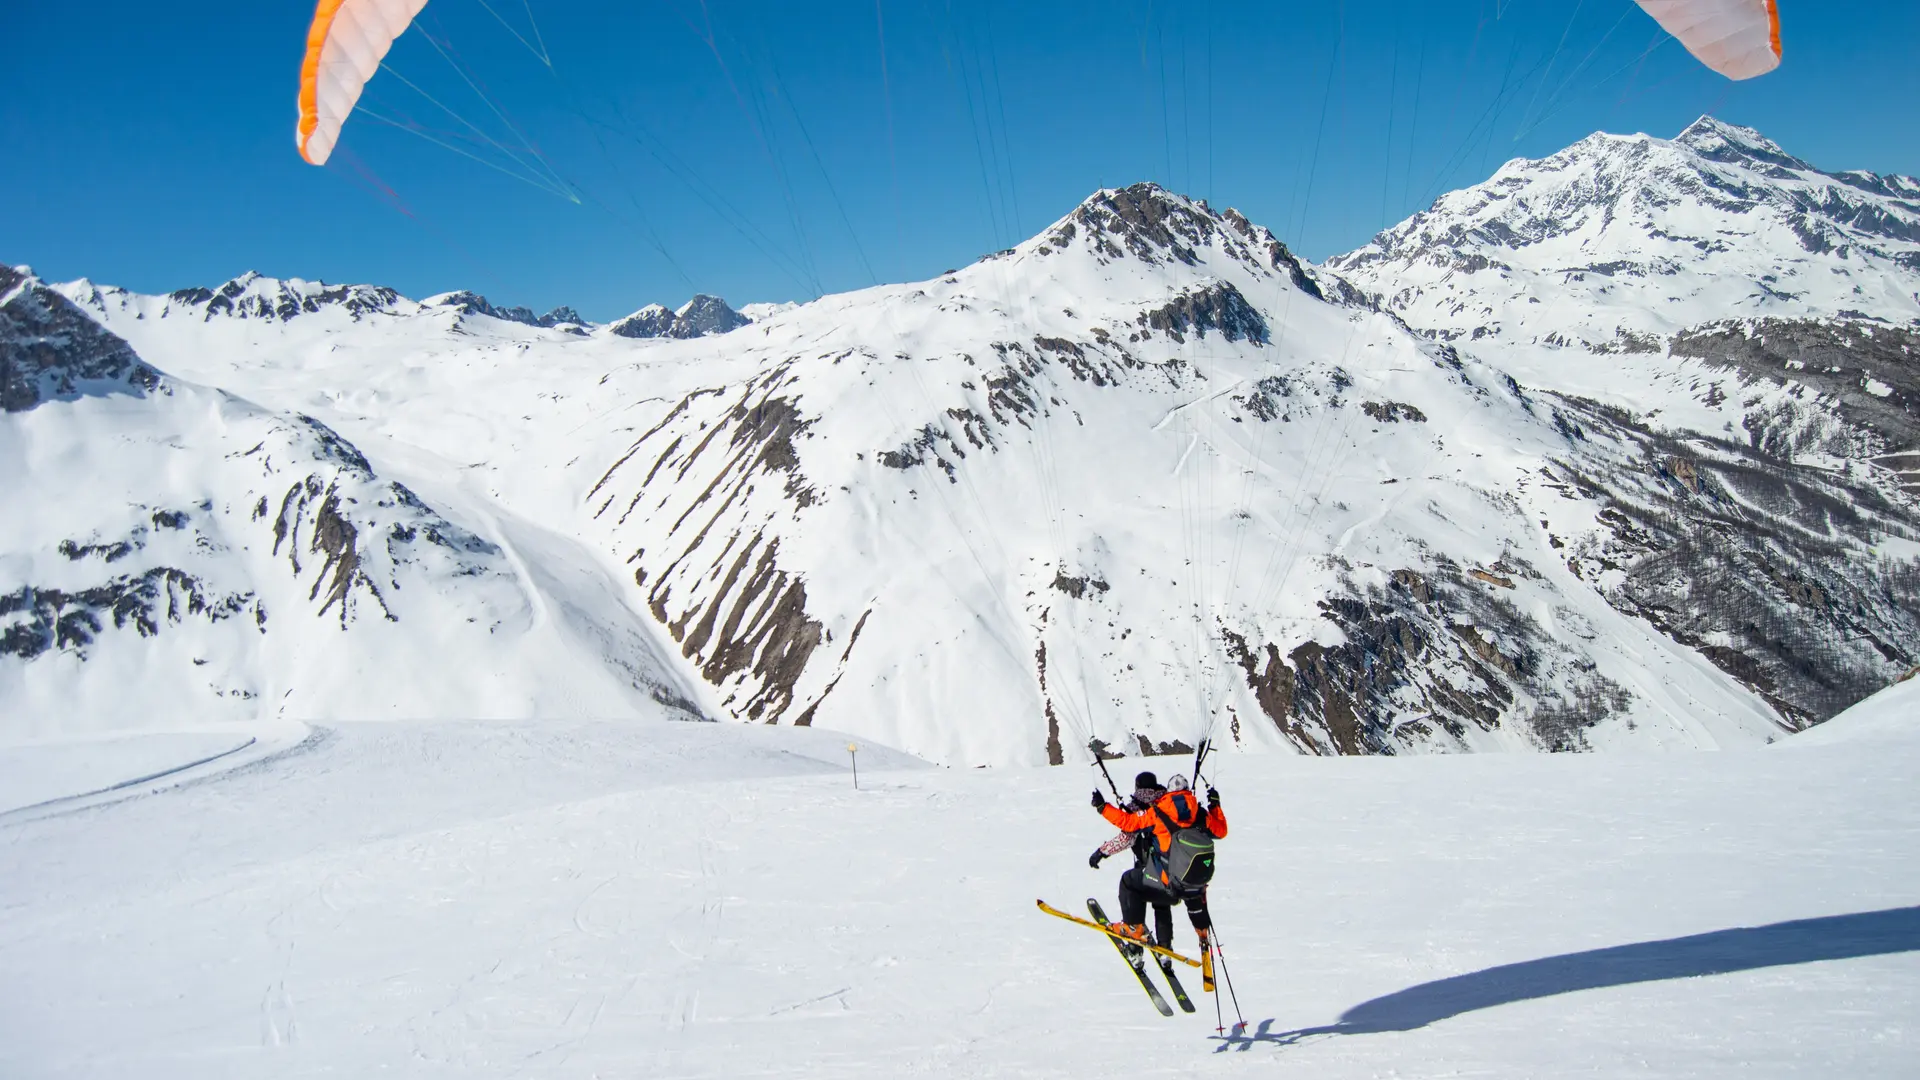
x=252 y=296
x=698 y=317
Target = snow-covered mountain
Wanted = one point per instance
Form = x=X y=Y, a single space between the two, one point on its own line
x=175 y=555
x=1618 y=240
x=1709 y=286
x=1148 y=477
x=1148 y=360
x=1729 y=282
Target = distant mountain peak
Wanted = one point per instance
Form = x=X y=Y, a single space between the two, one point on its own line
x=1637 y=236
x=1151 y=225
x=699 y=317
x=472 y=303
x=1717 y=140
x=1143 y=220
x=651 y=321
x=704 y=315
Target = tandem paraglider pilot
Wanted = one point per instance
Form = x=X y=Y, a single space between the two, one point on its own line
x=1171 y=837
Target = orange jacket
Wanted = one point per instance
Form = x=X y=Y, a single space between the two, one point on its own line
x=1181 y=807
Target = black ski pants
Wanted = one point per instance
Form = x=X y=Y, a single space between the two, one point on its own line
x=1137 y=891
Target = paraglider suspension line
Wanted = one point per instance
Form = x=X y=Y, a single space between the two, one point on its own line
x=1101 y=760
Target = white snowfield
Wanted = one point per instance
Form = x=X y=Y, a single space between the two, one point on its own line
x=578 y=899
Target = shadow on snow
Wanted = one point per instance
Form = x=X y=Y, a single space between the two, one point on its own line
x=1833 y=937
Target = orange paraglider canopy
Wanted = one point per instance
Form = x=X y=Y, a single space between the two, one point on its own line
x=345 y=45
x=1737 y=38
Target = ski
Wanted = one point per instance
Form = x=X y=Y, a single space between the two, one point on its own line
x=1135 y=956
x=1179 y=992
x=1206 y=968
x=1155 y=949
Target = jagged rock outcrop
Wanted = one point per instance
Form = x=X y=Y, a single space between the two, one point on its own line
x=701 y=316
x=1219 y=308
x=251 y=296
x=704 y=315
x=1148 y=223
x=470 y=303
x=652 y=321
x=50 y=349
x=1425 y=657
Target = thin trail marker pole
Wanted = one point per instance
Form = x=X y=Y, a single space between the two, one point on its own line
x=853 y=754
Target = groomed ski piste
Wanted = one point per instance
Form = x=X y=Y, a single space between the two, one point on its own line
x=654 y=899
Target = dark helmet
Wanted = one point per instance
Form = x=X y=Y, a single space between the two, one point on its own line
x=1146 y=779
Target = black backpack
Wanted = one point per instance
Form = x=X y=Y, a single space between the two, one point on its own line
x=1188 y=860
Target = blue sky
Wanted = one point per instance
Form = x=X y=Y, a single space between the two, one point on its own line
x=767 y=151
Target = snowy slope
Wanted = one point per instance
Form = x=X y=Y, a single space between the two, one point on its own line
x=1893 y=713
x=178 y=556
x=508 y=899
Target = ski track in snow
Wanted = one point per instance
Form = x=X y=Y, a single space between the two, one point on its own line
x=695 y=900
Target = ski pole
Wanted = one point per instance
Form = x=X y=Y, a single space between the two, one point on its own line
x=1227 y=977
x=1219 y=1020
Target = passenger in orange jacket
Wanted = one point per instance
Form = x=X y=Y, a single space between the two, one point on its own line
x=1148 y=883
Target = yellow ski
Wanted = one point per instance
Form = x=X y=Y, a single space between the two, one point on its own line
x=1091 y=925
